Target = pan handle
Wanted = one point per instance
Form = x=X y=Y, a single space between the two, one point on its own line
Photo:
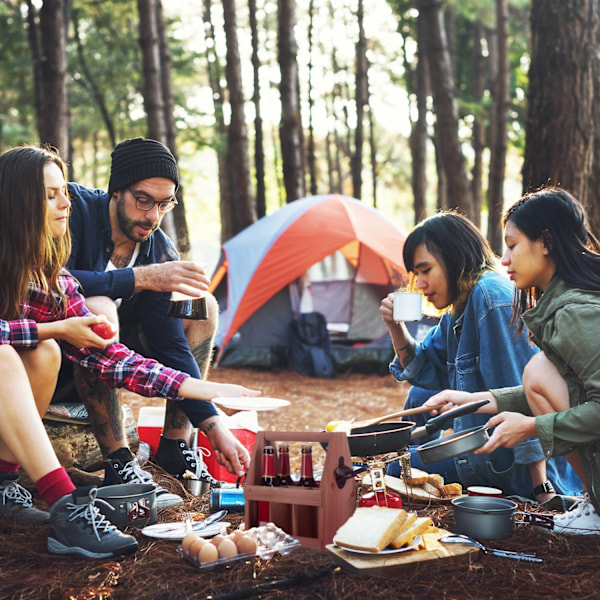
x=438 y=422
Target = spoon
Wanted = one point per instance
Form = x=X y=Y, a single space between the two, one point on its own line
x=458 y=538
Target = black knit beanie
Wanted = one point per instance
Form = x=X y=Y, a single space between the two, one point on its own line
x=137 y=159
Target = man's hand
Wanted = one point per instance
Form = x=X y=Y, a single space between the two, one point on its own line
x=174 y=276
x=228 y=450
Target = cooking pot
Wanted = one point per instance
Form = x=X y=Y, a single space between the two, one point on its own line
x=482 y=517
x=382 y=438
x=452 y=445
x=128 y=504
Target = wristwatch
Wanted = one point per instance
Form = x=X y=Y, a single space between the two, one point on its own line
x=544 y=488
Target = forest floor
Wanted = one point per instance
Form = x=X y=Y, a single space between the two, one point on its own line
x=569 y=568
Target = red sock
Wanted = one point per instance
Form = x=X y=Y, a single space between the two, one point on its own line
x=8 y=467
x=54 y=485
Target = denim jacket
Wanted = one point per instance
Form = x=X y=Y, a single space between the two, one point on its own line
x=473 y=351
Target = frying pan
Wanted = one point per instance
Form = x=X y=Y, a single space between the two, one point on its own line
x=452 y=445
x=382 y=438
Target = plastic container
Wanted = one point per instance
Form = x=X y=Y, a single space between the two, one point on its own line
x=220 y=473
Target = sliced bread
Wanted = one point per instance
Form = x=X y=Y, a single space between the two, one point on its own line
x=407 y=536
x=371 y=528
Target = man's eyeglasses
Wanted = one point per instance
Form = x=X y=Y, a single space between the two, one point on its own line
x=147 y=203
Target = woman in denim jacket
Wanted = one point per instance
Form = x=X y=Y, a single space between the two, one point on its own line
x=473 y=348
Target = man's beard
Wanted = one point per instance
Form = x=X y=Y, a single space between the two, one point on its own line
x=127 y=226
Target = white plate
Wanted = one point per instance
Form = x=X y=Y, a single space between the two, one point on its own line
x=251 y=403
x=177 y=530
x=414 y=545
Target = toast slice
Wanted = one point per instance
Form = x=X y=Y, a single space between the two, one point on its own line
x=371 y=528
x=407 y=536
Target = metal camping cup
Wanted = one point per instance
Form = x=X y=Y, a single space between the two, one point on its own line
x=407 y=306
x=484 y=517
x=185 y=307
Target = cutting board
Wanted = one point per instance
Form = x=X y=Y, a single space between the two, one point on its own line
x=385 y=564
x=395 y=484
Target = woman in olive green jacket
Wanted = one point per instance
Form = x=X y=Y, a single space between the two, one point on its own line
x=554 y=260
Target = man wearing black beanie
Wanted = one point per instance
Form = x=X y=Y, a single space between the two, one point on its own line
x=127 y=268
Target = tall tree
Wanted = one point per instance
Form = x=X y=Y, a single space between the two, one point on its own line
x=478 y=122
x=242 y=211
x=448 y=143
x=259 y=153
x=214 y=69
x=356 y=160
x=498 y=133
x=560 y=118
x=311 y=151
x=154 y=101
x=289 y=129
x=49 y=50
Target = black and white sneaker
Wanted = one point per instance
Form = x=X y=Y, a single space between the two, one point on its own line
x=15 y=502
x=176 y=457
x=117 y=470
x=78 y=528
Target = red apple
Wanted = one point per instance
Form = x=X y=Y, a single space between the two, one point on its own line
x=104 y=330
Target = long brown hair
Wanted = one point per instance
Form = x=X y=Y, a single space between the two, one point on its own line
x=29 y=253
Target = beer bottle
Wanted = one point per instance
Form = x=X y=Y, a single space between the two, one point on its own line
x=268 y=478
x=306 y=468
x=284 y=477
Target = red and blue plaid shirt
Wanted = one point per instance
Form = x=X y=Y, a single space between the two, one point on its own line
x=116 y=364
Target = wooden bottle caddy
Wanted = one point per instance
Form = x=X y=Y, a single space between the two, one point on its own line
x=311 y=515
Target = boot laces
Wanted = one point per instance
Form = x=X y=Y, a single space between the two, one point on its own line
x=16 y=494
x=133 y=473
x=195 y=458
x=91 y=515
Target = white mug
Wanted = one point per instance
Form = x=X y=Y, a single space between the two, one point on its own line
x=407 y=306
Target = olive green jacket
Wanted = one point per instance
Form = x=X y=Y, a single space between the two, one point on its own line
x=565 y=324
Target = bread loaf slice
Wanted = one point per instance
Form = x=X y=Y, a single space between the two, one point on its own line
x=371 y=528
x=417 y=477
x=436 y=480
x=451 y=489
x=407 y=536
x=432 y=489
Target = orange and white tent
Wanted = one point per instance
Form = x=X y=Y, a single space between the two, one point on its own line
x=274 y=252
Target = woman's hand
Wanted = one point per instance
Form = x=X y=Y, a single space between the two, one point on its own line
x=78 y=332
x=510 y=429
x=386 y=309
x=445 y=400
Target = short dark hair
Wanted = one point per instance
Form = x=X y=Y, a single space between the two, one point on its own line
x=458 y=245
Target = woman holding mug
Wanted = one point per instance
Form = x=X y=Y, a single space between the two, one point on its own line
x=473 y=345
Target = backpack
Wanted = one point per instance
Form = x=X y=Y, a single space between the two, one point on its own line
x=310 y=346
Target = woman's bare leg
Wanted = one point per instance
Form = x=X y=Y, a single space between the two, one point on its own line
x=546 y=393
x=23 y=437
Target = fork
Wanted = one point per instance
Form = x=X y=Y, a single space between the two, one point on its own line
x=458 y=538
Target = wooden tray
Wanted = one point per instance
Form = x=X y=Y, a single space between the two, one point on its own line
x=387 y=563
x=399 y=486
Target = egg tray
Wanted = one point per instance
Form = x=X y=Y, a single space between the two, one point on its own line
x=269 y=538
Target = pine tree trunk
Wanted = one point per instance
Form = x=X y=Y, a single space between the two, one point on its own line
x=259 y=154
x=478 y=124
x=559 y=135
x=242 y=210
x=54 y=122
x=289 y=129
x=356 y=160
x=446 y=109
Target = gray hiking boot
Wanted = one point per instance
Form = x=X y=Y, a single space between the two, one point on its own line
x=77 y=527
x=15 y=502
x=117 y=471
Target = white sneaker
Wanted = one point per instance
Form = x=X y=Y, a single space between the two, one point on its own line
x=580 y=519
